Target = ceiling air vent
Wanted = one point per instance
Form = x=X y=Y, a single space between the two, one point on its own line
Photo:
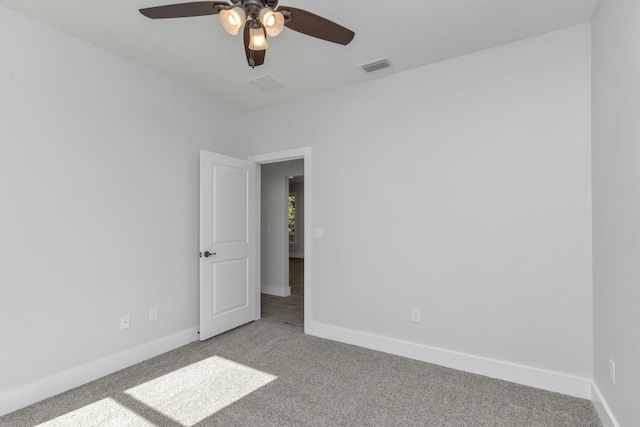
x=376 y=65
x=266 y=82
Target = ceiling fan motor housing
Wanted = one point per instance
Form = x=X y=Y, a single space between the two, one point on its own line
x=252 y=7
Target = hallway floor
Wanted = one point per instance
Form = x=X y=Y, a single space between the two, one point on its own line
x=289 y=310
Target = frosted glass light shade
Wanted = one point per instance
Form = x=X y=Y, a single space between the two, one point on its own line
x=257 y=39
x=232 y=19
x=273 y=21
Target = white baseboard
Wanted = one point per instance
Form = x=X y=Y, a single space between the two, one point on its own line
x=557 y=382
x=520 y=374
x=296 y=255
x=602 y=408
x=278 y=291
x=36 y=391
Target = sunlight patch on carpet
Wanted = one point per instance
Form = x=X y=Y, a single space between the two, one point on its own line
x=198 y=391
x=103 y=413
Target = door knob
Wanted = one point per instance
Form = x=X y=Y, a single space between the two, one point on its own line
x=207 y=254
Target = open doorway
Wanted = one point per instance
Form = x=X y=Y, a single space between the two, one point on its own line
x=282 y=242
x=262 y=160
x=294 y=312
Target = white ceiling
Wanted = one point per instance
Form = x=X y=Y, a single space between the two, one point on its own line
x=200 y=53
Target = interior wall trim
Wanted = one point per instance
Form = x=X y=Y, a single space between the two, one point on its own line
x=278 y=291
x=14 y=399
x=602 y=408
x=520 y=374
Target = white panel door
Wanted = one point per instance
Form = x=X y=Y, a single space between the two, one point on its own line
x=227 y=243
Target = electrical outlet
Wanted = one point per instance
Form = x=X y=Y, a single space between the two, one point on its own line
x=612 y=370
x=415 y=315
x=153 y=314
x=124 y=321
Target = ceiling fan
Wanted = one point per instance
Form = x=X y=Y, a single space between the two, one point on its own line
x=262 y=18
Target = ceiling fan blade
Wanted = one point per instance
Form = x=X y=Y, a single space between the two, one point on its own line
x=316 y=26
x=256 y=55
x=183 y=10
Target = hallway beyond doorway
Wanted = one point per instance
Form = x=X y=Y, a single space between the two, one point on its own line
x=289 y=310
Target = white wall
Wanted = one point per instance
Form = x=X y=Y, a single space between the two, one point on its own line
x=616 y=204
x=473 y=204
x=99 y=190
x=274 y=236
x=297 y=250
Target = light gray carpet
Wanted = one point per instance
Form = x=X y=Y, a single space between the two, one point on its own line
x=265 y=374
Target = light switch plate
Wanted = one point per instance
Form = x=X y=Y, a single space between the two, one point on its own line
x=318 y=234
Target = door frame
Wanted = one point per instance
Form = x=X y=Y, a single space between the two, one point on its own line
x=277 y=157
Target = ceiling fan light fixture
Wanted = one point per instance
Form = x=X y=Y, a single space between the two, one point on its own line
x=273 y=21
x=257 y=39
x=263 y=20
x=233 y=19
